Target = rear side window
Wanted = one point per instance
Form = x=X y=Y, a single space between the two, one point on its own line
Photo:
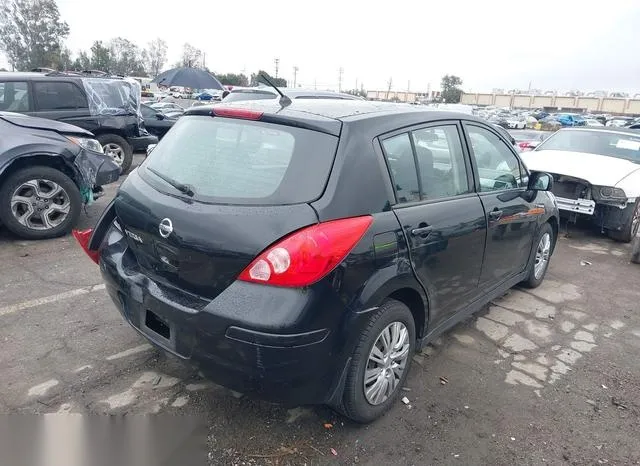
x=237 y=161
x=402 y=165
x=58 y=96
x=14 y=96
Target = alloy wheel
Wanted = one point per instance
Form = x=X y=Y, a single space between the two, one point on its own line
x=40 y=204
x=115 y=152
x=542 y=255
x=386 y=364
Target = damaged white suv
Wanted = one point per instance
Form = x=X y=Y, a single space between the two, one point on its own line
x=596 y=173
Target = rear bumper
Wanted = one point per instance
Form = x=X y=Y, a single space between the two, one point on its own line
x=141 y=143
x=248 y=338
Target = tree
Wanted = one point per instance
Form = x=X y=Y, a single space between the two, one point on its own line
x=256 y=78
x=100 y=57
x=233 y=79
x=65 y=60
x=451 y=93
x=82 y=61
x=31 y=33
x=157 y=56
x=126 y=57
x=190 y=56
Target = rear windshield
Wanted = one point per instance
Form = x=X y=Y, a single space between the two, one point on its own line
x=249 y=95
x=232 y=161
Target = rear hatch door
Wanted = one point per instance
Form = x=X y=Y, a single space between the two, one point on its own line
x=248 y=184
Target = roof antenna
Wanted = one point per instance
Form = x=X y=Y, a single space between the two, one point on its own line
x=284 y=100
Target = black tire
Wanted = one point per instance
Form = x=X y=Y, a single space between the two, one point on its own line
x=15 y=180
x=532 y=281
x=354 y=403
x=127 y=150
x=630 y=229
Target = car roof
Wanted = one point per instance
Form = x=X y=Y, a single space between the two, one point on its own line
x=21 y=75
x=10 y=75
x=328 y=115
x=292 y=92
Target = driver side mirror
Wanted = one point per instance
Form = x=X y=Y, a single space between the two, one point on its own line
x=150 y=147
x=540 y=181
x=225 y=93
x=160 y=116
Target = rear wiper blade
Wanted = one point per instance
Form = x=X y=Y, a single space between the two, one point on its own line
x=183 y=188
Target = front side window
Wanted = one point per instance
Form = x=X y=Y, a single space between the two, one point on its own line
x=147 y=112
x=14 y=96
x=440 y=162
x=58 y=96
x=402 y=165
x=498 y=167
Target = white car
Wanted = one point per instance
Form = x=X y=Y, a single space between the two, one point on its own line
x=516 y=123
x=596 y=173
x=592 y=122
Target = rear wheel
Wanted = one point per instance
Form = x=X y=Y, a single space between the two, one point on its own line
x=39 y=202
x=118 y=149
x=540 y=263
x=380 y=363
x=630 y=229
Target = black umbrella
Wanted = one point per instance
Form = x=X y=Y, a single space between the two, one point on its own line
x=193 y=78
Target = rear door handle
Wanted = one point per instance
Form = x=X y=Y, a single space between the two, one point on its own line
x=495 y=214
x=422 y=230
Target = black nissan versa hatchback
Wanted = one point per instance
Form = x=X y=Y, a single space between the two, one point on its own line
x=303 y=253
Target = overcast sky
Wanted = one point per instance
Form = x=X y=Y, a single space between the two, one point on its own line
x=554 y=44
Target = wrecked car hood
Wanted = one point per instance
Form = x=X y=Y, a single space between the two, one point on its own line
x=25 y=121
x=598 y=170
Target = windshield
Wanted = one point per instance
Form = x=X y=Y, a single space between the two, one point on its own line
x=236 y=161
x=618 y=145
x=249 y=95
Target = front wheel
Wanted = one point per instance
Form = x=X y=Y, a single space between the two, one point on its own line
x=380 y=363
x=118 y=149
x=39 y=202
x=540 y=263
x=630 y=228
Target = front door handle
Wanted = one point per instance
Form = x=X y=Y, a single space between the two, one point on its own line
x=495 y=214
x=422 y=230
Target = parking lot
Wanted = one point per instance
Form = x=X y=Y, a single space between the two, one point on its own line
x=544 y=376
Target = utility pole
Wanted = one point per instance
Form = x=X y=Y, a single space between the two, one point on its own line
x=315 y=83
x=389 y=83
x=277 y=62
x=340 y=71
x=295 y=75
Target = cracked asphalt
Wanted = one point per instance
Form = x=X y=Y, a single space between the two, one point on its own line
x=545 y=376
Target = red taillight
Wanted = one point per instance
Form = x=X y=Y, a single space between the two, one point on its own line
x=242 y=113
x=525 y=145
x=306 y=256
x=83 y=237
